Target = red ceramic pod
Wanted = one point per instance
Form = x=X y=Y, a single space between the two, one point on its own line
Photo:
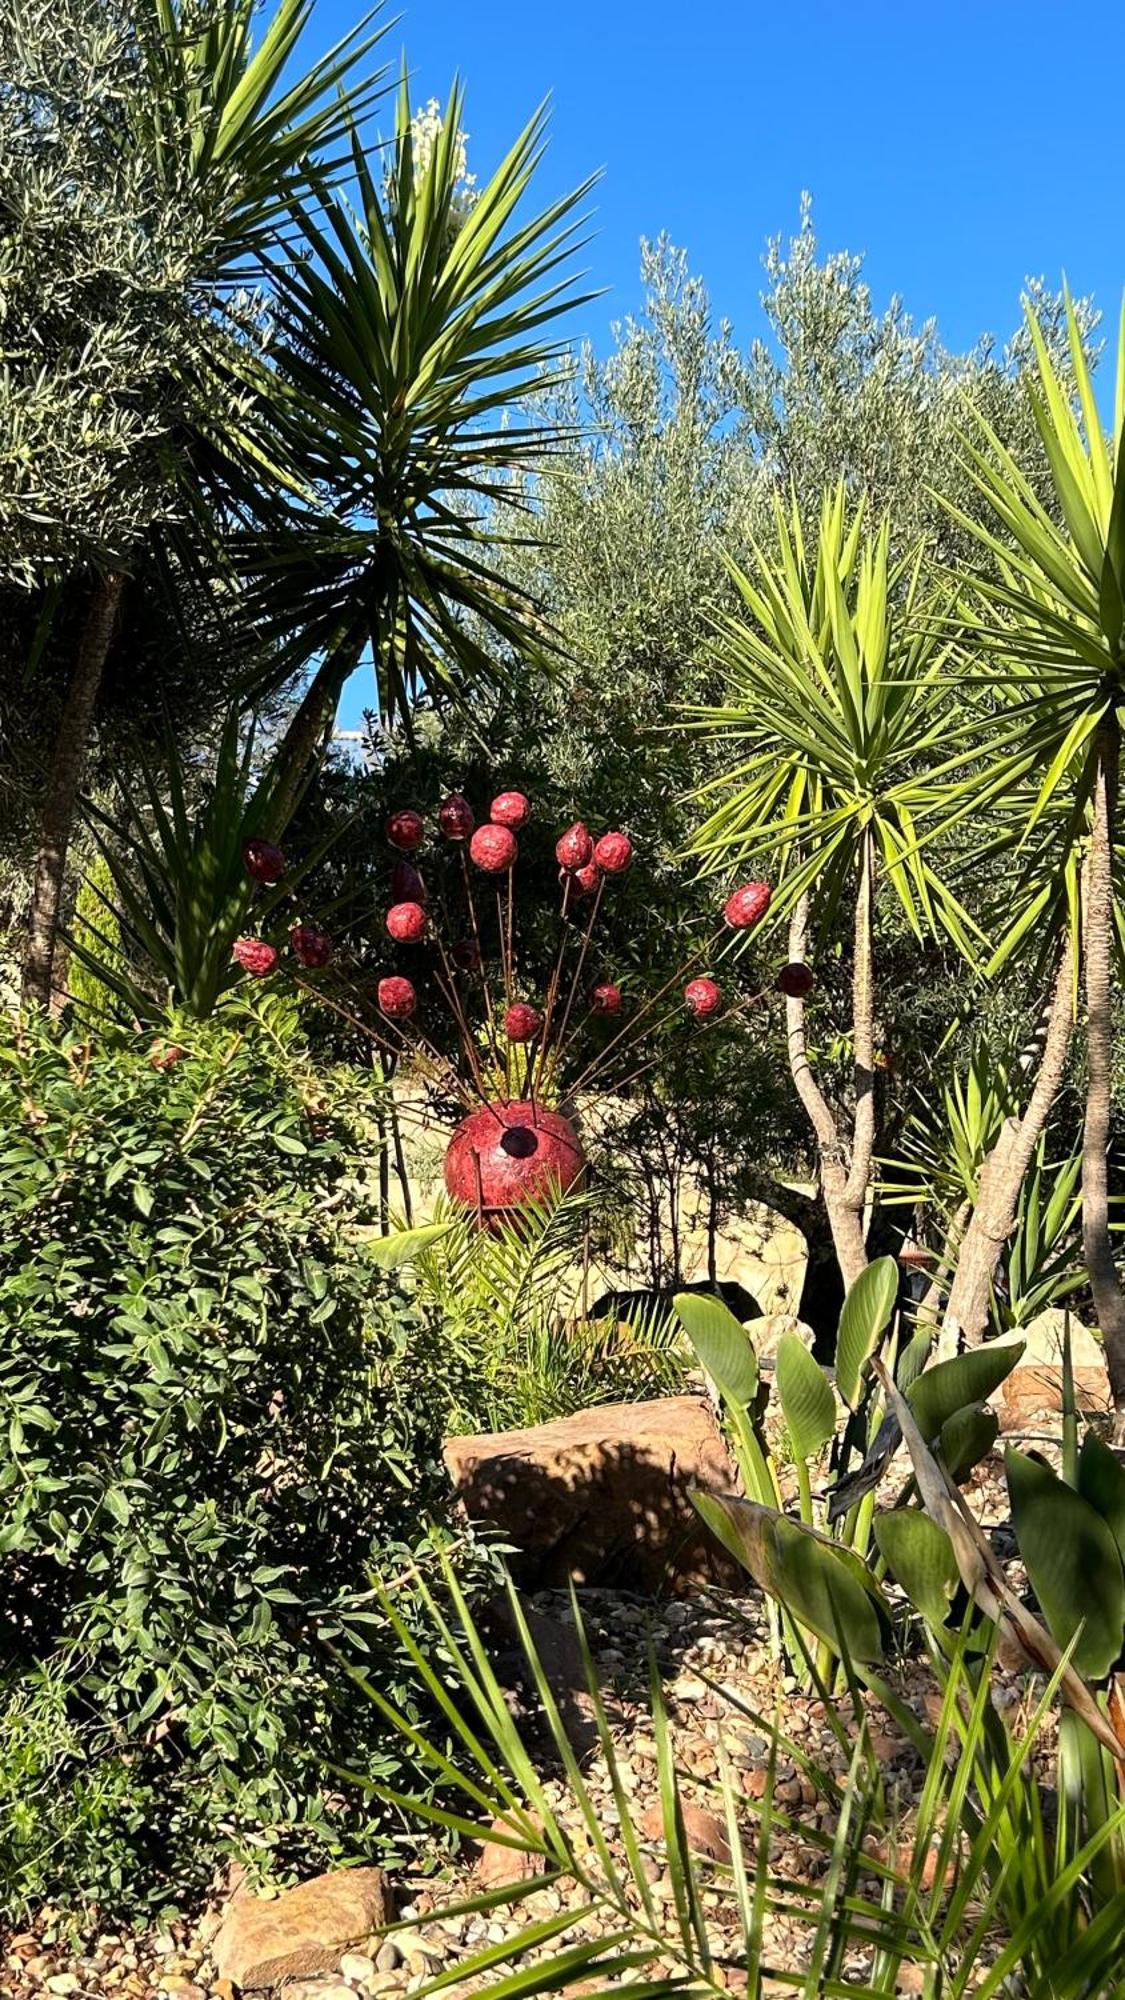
x=397 y=998
x=406 y=922
x=510 y=809
x=455 y=817
x=748 y=905
x=702 y=998
x=263 y=861
x=522 y=1022
x=311 y=947
x=574 y=849
x=495 y=849
x=254 y=955
x=613 y=853
x=406 y=829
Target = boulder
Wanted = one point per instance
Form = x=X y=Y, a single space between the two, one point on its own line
x=602 y=1496
x=499 y=1866
x=264 y=1940
x=768 y=1332
x=1034 y=1388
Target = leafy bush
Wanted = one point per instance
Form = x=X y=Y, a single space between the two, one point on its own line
x=213 y=1416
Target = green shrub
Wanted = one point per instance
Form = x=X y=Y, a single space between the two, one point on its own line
x=213 y=1417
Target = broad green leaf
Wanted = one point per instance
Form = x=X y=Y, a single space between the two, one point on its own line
x=920 y=1557
x=806 y=1398
x=913 y=1358
x=824 y=1587
x=949 y=1386
x=1072 y=1561
x=966 y=1437
x=1101 y=1481
x=863 y=1321
x=722 y=1344
x=404 y=1246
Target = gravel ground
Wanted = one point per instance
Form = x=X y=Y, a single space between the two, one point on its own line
x=715 y=1659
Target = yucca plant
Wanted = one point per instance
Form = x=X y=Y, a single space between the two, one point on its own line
x=832 y=729
x=409 y=334
x=1049 y=616
x=1070 y=1530
x=977 y=1161
x=180 y=895
x=957 y=1888
x=207 y=134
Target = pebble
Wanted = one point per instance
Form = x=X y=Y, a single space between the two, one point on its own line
x=388 y=1956
x=356 y=1966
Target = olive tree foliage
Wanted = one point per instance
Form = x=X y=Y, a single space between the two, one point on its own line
x=680 y=442
x=838 y=390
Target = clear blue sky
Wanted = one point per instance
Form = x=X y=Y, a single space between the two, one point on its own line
x=961 y=145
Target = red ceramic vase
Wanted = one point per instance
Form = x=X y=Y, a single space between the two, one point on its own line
x=504 y=1154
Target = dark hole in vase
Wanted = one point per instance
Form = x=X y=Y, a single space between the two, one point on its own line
x=519 y=1142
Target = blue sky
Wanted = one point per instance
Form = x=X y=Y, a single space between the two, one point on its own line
x=960 y=146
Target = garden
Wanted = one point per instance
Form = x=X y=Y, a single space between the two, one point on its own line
x=562 y=1304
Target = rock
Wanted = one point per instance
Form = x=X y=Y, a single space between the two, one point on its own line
x=63 y=1983
x=500 y=1866
x=356 y=1966
x=1034 y=1387
x=262 y=1941
x=767 y=1332
x=388 y=1956
x=602 y=1496
x=705 y=1834
x=560 y=1656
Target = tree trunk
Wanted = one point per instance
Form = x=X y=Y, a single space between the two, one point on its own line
x=303 y=737
x=1098 y=941
x=1002 y=1176
x=63 y=786
x=845 y=1217
x=863 y=1034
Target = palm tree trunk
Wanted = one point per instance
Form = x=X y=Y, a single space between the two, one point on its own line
x=63 y=785
x=305 y=735
x=1002 y=1176
x=844 y=1218
x=1109 y=1301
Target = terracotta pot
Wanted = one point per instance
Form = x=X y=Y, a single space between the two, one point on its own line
x=505 y=1154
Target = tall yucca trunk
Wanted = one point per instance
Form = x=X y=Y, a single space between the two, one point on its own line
x=63 y=786
x=305 y=737
x=844 y=1172
x=981 y=1236
x=1109 y=1300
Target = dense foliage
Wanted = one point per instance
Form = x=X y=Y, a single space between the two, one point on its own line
x=215 y=1418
